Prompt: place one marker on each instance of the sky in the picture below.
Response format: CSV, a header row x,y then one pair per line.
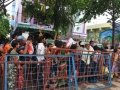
x,y
9,7
9,10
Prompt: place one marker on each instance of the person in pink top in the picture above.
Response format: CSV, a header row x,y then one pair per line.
x,y
30,46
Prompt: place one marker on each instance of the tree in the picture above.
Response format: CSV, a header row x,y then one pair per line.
x,y
3,5
98,7
4,26
4,22
57,12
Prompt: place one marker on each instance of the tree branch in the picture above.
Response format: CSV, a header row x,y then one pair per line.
x,y
3,4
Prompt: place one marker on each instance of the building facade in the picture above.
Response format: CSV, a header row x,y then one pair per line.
x,y
93,31
18,18
15,12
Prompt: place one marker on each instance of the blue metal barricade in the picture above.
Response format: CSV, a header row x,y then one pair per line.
x,y
73,71
93,72
48,74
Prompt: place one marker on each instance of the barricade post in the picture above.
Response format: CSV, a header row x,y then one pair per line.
x,y
69,83
5,74
110,71
75,74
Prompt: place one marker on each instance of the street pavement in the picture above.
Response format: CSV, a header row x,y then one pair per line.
x,y
95,86
115,85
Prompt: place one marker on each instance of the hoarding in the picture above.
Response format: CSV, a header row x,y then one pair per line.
x,y
80,30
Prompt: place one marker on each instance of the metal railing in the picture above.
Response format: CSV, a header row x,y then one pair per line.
x,y
64,71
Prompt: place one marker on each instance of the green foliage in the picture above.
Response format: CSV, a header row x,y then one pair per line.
x,y
117,37
98,7
4,26
60,12
4,4
4,22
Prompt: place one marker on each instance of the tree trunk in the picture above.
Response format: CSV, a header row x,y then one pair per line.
x,y
113,33
113,27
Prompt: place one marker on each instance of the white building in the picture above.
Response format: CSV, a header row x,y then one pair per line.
x,y
79,31
17,19
15,12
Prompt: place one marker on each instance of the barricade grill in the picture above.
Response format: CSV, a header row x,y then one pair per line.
x,y
63,69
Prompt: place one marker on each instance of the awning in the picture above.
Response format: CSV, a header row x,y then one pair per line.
x,y
27,26
48,32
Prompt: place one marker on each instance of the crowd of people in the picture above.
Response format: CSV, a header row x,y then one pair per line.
x,y
89,51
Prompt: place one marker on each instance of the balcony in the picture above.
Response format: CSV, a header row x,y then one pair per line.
x,y
27,20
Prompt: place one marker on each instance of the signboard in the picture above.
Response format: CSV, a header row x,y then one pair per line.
x,y
34,26
107,35
80,30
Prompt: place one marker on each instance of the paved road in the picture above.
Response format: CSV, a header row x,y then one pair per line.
x,y
115,85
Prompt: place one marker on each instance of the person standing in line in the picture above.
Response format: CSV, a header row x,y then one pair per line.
x,y
57,40
30,49
20,69
14,37
88,51
29,67
40,51
12,67
116,62
7,46
81,46
92,43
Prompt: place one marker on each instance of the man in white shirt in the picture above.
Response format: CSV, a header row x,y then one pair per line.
x,y
40,49
88,50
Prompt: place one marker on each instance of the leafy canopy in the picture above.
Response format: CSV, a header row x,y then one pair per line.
x,y
98,7
57,12
4,26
